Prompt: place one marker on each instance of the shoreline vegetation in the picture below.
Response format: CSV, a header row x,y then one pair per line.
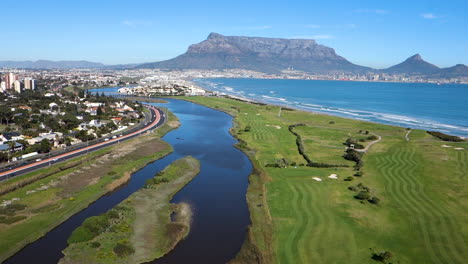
x,y
302,214
143,227
41,200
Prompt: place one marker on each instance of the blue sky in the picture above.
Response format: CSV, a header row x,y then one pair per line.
x,y
371,33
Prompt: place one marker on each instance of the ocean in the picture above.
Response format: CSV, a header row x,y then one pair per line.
x,y
425,106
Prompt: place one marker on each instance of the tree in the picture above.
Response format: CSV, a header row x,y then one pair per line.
x,y
99,111
45,146
81,93
11,145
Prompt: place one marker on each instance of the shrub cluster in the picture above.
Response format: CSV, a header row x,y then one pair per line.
x,y
325,165
382,256
445,137
92,227
281,163
363,193
299,144
353,155
11,219
11,209
352,141
123,249
155,181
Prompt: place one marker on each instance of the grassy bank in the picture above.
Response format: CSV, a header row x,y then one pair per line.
x,y
140,228
421,208
38,207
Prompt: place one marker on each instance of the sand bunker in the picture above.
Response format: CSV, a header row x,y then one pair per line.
x,y
316,178
446,146
333,176
277,127
459,148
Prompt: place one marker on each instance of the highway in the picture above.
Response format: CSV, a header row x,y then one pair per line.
x,y
154,120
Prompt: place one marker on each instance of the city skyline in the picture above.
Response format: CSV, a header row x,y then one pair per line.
x,y
118,32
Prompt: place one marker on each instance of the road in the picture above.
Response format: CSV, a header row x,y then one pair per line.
x,y
157,118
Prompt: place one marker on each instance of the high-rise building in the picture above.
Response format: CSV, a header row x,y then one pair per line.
x,y
17,86
2,86
30,84
10,79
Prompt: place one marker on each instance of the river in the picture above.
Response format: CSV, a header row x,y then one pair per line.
x,y
216,195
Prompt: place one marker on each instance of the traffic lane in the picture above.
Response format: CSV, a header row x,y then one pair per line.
x,y
79,152
21,169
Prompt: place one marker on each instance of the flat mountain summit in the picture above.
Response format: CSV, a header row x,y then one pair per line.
x,y
259,54
268,55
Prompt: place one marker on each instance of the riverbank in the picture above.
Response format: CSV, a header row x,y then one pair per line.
x,y
67,189
303,214
146,224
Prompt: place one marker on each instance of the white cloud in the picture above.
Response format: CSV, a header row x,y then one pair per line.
x,y
135,23
429,16
324,36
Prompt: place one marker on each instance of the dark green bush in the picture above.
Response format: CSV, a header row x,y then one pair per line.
x,y
374,200
445,137
112,214
123,249
359,174
80,234
349,178
11,209
352,155
95,244
11,219
155,181
362,195
96,224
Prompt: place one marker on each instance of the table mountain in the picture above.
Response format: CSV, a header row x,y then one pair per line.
x,y
270,55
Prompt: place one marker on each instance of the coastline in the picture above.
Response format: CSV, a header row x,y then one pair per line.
x,y
384,118
271,224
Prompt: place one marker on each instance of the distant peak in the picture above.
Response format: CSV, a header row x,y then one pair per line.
x,y
214,35
416,57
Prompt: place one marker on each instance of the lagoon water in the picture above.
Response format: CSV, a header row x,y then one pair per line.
x,y
216,194
416,105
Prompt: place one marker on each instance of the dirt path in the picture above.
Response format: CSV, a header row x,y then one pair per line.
x,y
407,135
370,144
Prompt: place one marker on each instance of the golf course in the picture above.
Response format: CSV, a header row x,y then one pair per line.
x,y
398,197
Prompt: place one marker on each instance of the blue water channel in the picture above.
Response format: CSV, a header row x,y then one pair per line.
x,y
216,195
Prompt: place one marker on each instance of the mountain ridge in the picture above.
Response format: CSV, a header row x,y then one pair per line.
x,y
270,55
262,54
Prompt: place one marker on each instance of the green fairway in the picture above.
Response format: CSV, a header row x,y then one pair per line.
x,y
421,185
